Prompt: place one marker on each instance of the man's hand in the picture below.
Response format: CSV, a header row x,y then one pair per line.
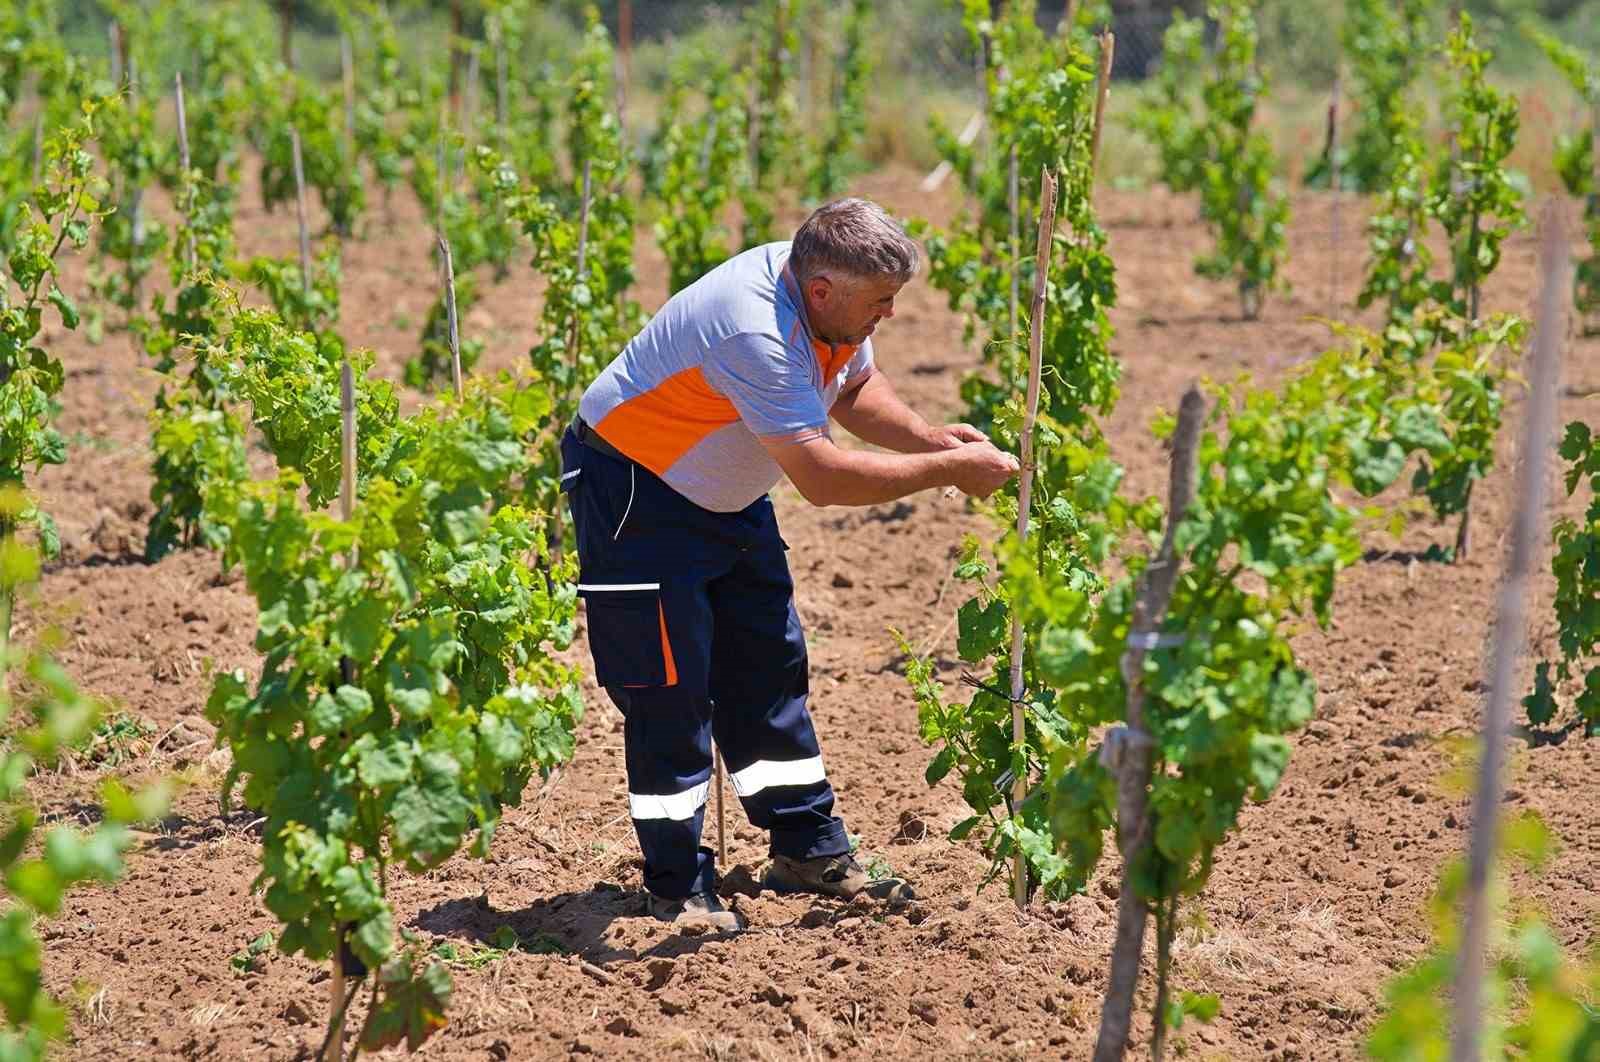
x,y
953,435
980,467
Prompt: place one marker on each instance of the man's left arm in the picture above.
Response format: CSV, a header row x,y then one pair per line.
x,y
874,413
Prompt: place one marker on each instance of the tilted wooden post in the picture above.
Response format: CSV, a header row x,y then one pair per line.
x,y
1128,749
1527,536
450,315
300,210
1041,277
286,30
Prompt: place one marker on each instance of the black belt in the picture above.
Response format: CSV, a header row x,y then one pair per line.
x,y
595,441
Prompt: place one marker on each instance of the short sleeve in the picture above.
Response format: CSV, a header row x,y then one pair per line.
x,y
774,392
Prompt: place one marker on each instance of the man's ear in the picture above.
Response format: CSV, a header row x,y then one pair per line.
x,y
818,288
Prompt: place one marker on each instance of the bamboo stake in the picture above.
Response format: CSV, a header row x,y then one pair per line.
x,y
38,143
1127,749
1102,93
443,163
450,315
347,76
300,209
1041,274
1527,535
183,160
136,217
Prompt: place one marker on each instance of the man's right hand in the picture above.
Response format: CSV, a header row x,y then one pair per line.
x,y
980,468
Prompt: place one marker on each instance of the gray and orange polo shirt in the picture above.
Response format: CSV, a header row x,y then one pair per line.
x,y
727,362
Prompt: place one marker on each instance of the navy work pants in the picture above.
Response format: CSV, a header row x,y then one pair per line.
x,y
694,633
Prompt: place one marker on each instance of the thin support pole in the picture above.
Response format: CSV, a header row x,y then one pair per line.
x,y
347,508
624,57
583,250
1128,749
450,315
1334,184
469,120
286,31
347,77
500,73
1102,93
300,209
1527,536
183,160
1015,238
1041,274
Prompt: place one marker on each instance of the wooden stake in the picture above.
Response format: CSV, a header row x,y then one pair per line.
x,y
1333,183
114,32
458,23
286,30
300,210
968,134
1102,93
583,250
443,176
624,56
450,315
183,160
469,119
1527,537
335,1051
38,143
500,95
1016,237
347,76
1041,275
1127,750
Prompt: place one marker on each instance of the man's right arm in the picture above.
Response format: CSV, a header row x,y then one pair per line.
x,y
826,475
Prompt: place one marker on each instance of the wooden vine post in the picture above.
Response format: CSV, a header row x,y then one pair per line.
x,y
624,57
183,160
458,29
1102,94
1128,749
300,210
1527,536
450,315
1041,276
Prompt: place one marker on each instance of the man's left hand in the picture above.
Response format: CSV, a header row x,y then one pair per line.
x,y
951,436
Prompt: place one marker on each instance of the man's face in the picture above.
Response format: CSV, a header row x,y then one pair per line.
x,y
846,309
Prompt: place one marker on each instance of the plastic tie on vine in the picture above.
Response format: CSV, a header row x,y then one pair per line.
x,y
1002,784
969,679
1148,640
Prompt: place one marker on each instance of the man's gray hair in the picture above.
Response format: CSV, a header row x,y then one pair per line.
x,y
855,237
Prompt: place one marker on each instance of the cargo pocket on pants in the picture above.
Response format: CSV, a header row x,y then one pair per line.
x,y
628,635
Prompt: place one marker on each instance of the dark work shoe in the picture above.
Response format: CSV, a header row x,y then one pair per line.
x,y
701,912
838,875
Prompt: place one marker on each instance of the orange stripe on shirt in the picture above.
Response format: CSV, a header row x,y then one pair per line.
x,y
831,359
661,425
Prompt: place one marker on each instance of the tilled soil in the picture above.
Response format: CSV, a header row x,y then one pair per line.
x,y
1317,900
